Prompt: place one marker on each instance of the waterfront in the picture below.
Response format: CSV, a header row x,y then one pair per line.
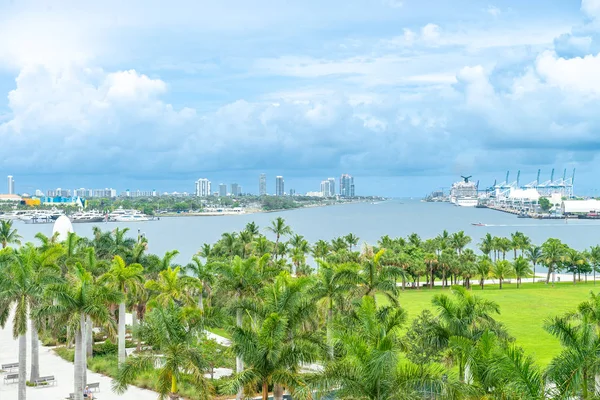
x,y
366,220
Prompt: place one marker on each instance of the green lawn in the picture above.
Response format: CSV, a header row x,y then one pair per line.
x,y
220,331
522,310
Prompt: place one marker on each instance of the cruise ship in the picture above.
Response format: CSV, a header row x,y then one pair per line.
x,y
464,193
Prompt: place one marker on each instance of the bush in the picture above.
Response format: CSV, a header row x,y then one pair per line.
x,y
66,354
106,348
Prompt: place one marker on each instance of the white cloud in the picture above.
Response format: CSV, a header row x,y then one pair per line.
x,y
591,8
579,74
430,33
493,10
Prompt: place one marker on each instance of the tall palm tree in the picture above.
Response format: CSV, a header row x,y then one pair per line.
x,y
352,240
279,228
484,267
459,241
239,280
553,252
71,303
502,269
595,259
8,235
321,249
521,269
534,255
431,260
253,229
329,287
28,272
124,279
204,273
173,333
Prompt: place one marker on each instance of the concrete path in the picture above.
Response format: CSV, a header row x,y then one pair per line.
x,y
51,364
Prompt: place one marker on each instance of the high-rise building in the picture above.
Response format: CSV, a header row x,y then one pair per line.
x,y
222,190
279,186
11,184
346,186
331,186
235,189
292,192
262,185
326,188
39,193
203,187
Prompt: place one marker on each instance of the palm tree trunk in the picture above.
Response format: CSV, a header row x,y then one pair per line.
x,y
549,272
329,329
277,392
173,394
79,359
533,272
500,283
35,353
200,298
89,350
22,366
265,390
121,349
239,364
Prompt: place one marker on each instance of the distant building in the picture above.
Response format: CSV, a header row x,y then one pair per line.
x,y
203,187
314,194
104,193
235,189
11,184
292,192
39,193
331,186
325,188
222,190
81,192
346,186
279,186
262,185
10,197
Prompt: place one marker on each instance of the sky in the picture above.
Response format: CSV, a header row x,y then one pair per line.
x,y
404,95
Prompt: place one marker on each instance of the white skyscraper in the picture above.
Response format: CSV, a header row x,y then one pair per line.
x,y
203,187
326,188
331,186
11,185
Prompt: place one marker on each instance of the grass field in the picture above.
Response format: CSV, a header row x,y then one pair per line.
x,y
523,310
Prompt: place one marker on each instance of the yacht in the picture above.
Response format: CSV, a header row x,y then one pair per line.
x,y
13,215
88,216
121,215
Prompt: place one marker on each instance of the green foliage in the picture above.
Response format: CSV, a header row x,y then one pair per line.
x,y
545,204
420,348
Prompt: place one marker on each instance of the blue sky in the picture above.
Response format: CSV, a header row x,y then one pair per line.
x,y
404,95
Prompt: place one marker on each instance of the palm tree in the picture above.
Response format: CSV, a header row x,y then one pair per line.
x,y
595,259
239,280
71,303
459,241
284,338
352,240
463,320
521,269
553,251
170,287
484,266
431,259
124,279
321,249
279,228
204,273
173,332
329,287
252,228
574,370
28,272
8,235
502,269
534,254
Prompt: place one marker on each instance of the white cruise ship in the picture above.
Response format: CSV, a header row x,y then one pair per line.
x,y
464,193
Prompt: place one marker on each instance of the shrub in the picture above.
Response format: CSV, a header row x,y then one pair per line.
x,y
105,348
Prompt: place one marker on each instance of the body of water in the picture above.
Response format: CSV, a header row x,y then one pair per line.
x,y
366,220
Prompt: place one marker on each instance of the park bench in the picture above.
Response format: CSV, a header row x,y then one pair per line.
x,y
44,381
72,396
11,377
10,366
94,386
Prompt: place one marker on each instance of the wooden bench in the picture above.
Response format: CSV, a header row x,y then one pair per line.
x,y
94,386
44,381
11,377
10,366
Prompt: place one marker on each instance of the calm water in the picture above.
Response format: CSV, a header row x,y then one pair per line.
x,y
368,221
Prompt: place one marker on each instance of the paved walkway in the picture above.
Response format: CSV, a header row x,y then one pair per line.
x,y
51,364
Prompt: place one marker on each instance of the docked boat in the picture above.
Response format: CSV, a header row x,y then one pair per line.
x,y
122,215
14,215
87,217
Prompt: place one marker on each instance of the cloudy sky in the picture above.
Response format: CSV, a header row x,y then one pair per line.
x,y
403,94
